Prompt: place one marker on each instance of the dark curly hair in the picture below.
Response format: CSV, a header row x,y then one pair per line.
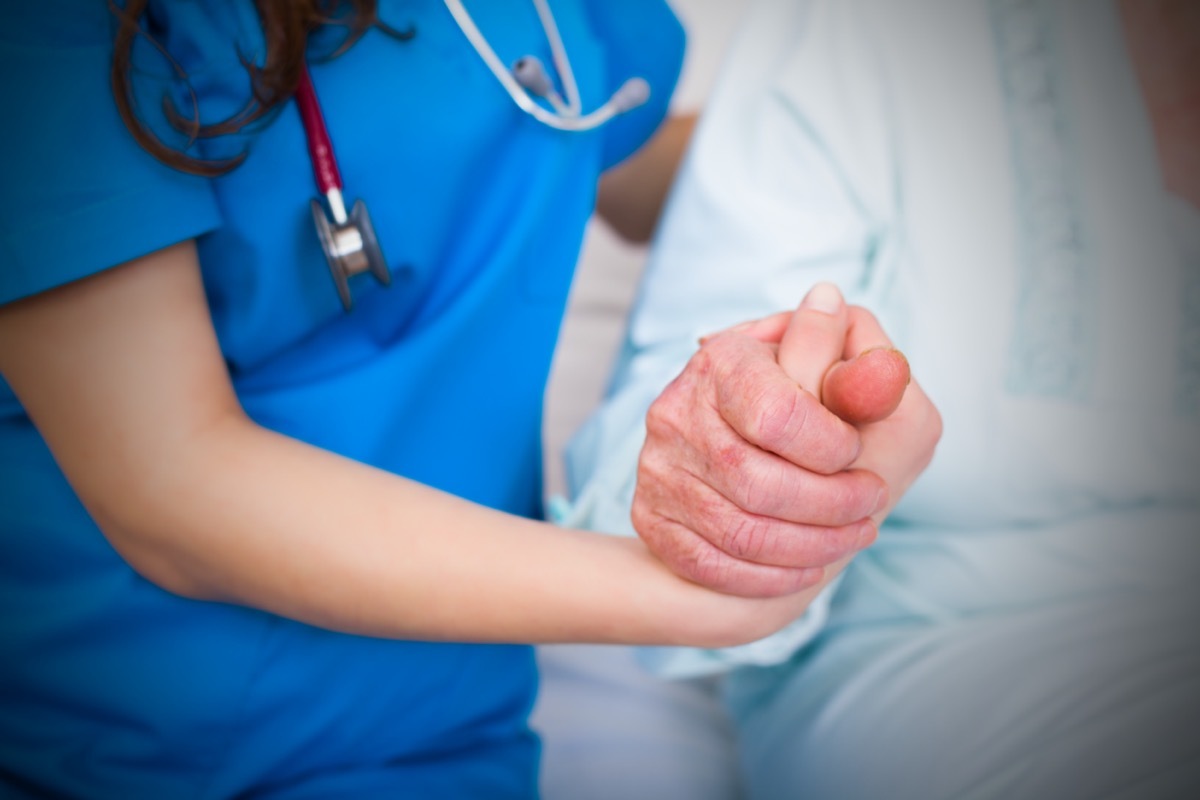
x,y
286,26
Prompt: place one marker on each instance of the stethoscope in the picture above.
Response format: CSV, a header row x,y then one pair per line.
x,y
348,238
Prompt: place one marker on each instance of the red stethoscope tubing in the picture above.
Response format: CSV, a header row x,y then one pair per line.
x,y
320,147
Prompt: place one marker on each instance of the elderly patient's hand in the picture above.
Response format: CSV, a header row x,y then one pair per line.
x,y
750,485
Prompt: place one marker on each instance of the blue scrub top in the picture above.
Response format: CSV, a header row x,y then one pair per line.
x,y
110,686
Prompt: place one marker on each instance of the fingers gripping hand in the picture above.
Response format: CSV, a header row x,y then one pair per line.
x,y
870,386
743,483
865,383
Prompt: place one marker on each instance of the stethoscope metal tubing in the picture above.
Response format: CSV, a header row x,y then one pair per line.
x,y
632,94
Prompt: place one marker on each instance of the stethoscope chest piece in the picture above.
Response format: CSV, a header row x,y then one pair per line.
x,y
350,248
349,239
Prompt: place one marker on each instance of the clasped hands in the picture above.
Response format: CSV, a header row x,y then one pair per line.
x,y
780,448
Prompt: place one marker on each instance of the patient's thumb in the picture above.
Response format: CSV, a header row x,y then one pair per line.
x,y
866,388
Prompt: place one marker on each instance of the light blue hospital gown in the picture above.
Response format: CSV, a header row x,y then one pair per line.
x,y
982,175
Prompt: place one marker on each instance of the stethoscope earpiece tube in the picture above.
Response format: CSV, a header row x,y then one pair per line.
x,y
632,94
531,73
320,147
528,77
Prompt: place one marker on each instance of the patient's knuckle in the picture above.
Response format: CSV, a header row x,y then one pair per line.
x,y
758,490
652,468
777,418
731,357
652,528
745,536
708,566
707,358
662,418
642,518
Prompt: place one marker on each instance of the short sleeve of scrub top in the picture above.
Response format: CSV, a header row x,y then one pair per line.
x,y
80,195
644,33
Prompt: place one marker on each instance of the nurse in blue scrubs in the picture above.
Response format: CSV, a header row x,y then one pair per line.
x,y
243,531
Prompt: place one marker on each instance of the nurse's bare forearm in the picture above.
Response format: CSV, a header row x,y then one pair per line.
x,y
123,377
266,521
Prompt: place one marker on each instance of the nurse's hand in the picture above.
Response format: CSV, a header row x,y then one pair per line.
x,y
897,445
747,483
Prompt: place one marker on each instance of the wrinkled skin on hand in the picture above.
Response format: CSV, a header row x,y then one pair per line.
x,y
780,448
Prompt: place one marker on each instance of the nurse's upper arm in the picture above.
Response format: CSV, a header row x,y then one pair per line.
x,y
120,372
632,194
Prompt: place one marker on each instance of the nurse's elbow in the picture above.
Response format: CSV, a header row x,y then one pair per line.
x,y
155,518
152,558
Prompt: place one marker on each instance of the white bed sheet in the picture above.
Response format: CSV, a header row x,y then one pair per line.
x,y
610,729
